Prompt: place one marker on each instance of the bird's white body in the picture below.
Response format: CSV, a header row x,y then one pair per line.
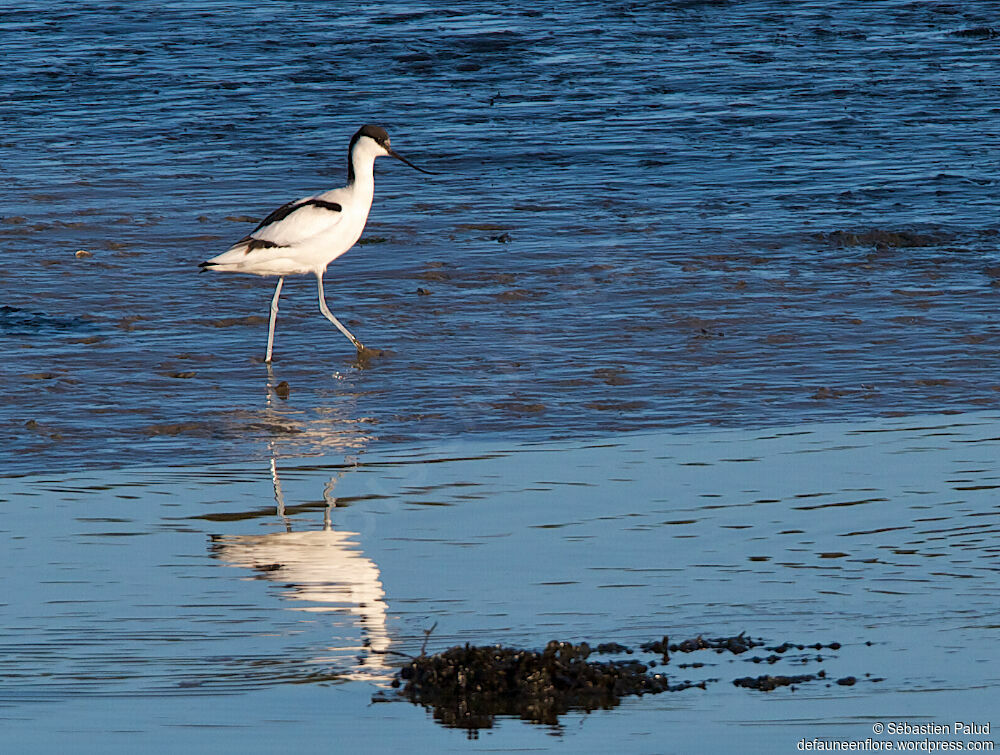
x,y
312,236
307,234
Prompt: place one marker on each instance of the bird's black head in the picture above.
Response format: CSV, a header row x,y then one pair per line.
x,y
376,133
381,137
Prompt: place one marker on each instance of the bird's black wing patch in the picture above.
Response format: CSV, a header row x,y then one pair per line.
x,y
253,243
331,206
280,214
288,208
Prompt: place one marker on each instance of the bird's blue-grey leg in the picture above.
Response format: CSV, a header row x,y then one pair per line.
x,y
279,497
274,317
329,316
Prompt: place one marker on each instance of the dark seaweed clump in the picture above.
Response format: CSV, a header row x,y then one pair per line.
x,y
469,686
736,645
767,682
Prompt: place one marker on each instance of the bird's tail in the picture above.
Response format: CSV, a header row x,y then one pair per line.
x,y
233,257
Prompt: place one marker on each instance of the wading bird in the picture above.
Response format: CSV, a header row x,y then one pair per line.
x,y
306,235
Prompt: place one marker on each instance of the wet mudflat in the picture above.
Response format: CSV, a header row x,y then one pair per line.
x,y
246,607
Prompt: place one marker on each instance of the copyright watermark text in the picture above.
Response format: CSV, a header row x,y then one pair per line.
x,y
906,736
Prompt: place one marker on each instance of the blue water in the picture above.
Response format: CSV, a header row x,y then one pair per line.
x,y
211,604
670,214
775,218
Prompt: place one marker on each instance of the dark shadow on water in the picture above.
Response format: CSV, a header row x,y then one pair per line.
x,y
15,321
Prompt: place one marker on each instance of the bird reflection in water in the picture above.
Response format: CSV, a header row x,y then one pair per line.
x,y
322,571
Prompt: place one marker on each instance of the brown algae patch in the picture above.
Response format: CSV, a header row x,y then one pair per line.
x,y
880,238
230,322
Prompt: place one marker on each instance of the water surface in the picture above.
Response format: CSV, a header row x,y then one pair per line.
x,y
667,214
774,218
245,605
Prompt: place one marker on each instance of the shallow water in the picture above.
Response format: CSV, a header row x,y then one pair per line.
x,y
648,215
774,217
140,602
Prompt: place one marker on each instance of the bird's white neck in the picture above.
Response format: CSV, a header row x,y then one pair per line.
x,y
361,166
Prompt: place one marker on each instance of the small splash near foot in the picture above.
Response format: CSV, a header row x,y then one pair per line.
x,y
366,356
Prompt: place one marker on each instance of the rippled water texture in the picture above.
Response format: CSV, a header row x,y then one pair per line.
x,y
649,215
775,217
137,602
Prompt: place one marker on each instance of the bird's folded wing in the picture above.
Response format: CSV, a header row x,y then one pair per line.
x,y
298,221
